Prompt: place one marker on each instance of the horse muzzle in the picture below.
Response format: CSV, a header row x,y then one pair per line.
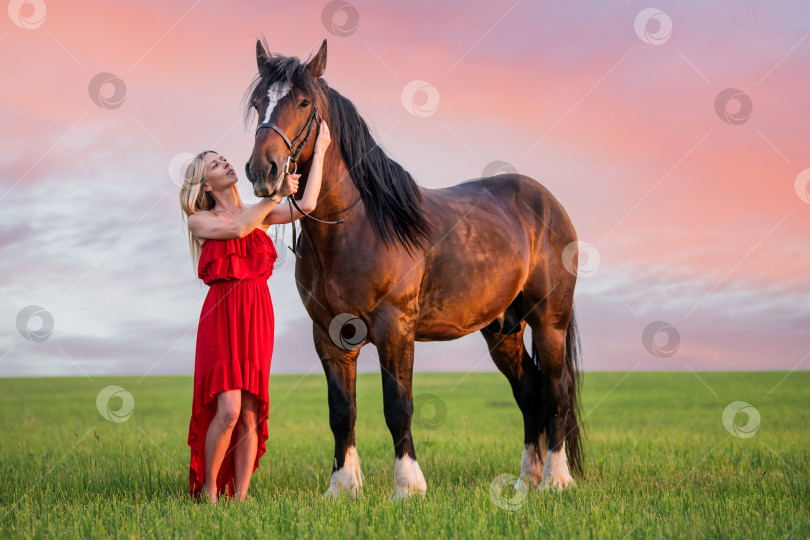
x,y
266,181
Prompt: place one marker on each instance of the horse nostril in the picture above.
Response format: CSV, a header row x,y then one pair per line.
x,y
273,170
247,172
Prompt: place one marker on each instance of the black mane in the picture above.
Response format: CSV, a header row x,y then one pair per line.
x,y
390,195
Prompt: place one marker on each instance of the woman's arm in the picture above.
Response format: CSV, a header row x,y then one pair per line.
x,y
281,213
205,226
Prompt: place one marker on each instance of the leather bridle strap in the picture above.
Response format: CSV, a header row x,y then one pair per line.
x,y
313,120
291,198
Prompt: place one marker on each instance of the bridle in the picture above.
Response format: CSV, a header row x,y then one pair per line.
x,y
303,136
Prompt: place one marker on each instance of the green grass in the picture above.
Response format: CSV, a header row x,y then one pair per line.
x,y
659,462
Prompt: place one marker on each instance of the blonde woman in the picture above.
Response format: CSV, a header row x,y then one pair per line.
x,y
235,257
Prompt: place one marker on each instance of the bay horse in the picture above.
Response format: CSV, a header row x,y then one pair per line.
x,y
408,264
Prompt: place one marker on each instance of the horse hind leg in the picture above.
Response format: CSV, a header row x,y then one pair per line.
x,y
505,339
555,353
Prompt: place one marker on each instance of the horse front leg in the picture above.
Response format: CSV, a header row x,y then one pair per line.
x,y
395,348
340,367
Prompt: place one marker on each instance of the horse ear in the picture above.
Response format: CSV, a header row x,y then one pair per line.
x,y
262,56
317,65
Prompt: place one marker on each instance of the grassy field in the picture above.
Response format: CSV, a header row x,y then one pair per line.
x,y
660,462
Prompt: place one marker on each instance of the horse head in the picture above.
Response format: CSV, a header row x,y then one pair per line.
x,y
288,99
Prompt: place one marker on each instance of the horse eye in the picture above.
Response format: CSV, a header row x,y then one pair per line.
x,y
304,103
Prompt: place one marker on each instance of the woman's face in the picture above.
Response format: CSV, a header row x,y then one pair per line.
x,y
218,172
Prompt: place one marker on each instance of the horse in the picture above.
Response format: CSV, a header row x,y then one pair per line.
x,y
385,261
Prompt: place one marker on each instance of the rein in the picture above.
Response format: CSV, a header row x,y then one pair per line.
x,y
306,131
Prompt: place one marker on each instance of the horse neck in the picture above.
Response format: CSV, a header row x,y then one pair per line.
x,y
338,193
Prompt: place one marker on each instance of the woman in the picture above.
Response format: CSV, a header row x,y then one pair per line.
x,y
228,427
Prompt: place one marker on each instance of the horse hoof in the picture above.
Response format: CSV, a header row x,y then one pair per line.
x,y
557,484
402,493
530,481
348,479
531,466
556,474
336,491
408,479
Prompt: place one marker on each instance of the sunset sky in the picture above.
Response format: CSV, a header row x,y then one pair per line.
x,y
697,207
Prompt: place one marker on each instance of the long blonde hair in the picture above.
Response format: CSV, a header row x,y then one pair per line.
x,y
194,199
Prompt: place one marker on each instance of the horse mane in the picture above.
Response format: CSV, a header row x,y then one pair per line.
x,y
391,196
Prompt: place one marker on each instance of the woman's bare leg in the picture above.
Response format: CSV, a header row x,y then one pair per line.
x,y
247,445
219,436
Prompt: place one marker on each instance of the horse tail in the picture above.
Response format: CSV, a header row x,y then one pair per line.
x,y
574,433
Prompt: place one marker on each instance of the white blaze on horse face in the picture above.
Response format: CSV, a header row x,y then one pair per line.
x,y
348,479
275,94
408,478
556,474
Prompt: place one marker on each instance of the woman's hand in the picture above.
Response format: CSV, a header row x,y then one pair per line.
x,y
290,185
323,140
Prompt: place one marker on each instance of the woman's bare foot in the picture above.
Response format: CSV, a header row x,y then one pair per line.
x,y
208,497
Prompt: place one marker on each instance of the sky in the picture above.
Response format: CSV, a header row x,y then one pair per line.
x,y
673,133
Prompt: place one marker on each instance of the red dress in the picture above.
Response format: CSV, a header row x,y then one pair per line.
x,y
234,343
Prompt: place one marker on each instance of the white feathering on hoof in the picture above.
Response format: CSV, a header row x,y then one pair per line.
x,y
556,474
408,478
348,479
531,466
